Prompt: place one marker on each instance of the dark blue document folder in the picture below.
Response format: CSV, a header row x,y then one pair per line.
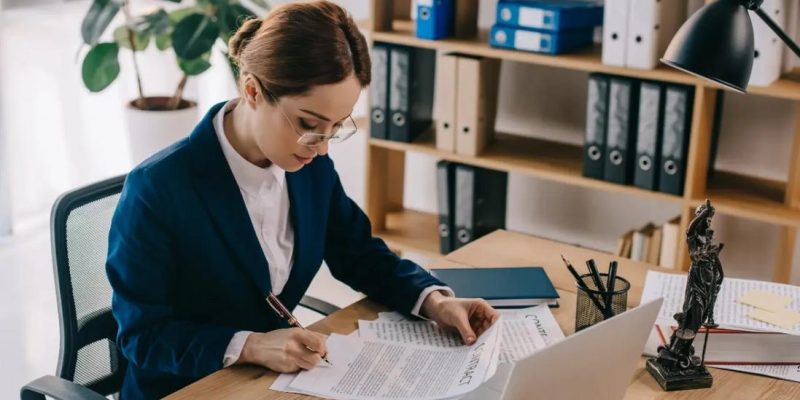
x,y
501,287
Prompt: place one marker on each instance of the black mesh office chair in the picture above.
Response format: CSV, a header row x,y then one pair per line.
x,y
89,364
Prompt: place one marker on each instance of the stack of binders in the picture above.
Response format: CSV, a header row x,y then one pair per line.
x,y
471,201
546,26
637,132
465,103
637,32
401,92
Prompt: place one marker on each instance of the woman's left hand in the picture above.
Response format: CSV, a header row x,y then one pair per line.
x,y
470,317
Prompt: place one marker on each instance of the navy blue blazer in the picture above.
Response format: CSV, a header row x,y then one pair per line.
x,y
188,272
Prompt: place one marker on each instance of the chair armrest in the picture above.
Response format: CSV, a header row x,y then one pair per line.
x,y
56,388
317,305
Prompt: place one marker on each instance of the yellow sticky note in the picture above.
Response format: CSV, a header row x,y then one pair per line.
x,y
765,300
786,319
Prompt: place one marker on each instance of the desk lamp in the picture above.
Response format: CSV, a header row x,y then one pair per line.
x,y
716,43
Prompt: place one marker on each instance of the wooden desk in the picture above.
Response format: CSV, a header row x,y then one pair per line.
x,y
504,248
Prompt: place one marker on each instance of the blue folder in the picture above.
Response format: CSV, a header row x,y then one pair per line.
x,y
435,19
539,41
501,287
552,15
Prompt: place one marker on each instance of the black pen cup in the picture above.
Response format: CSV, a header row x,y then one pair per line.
x,y
586,311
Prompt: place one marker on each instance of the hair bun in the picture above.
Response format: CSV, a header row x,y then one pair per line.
x,y
243,35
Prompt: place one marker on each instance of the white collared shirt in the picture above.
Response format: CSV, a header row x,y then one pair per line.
x,y
267,200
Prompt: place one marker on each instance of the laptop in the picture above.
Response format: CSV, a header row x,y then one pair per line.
x,y
596,363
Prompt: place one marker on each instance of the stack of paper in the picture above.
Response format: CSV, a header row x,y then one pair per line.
x,y
394,357
744,334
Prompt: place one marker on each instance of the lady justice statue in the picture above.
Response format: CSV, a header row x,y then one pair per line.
x,y
676,367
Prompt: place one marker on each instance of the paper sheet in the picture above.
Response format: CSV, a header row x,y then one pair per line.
x,y
727,312
765,300
522,332
787,372
372,369
785,319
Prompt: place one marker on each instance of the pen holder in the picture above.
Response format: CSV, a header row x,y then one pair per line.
x,y
587,313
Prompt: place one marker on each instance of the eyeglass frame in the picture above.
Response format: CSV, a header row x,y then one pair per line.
x,y
326,138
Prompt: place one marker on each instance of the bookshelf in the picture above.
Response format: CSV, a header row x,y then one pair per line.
x,y
772,202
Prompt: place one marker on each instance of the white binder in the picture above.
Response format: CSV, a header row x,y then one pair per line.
x,y
615,31
768,57
651,26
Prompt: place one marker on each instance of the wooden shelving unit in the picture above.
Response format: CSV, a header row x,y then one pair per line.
x,y
767,201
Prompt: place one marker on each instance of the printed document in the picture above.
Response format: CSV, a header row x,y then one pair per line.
x,y
522,332
375,369
728,313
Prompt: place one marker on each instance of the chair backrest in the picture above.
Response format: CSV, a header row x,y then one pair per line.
x,y
80,223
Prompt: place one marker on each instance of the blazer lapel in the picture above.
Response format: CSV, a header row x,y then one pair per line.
x,y
299,186
220,193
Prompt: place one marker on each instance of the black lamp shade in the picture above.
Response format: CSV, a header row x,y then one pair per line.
x,y
716,43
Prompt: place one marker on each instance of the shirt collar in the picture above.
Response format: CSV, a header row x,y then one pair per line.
x,y
249,176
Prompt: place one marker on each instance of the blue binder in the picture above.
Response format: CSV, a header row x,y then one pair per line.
x,y
552,15
435,19
539,41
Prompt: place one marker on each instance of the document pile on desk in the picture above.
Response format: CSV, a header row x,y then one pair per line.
x,y
742,342
393,357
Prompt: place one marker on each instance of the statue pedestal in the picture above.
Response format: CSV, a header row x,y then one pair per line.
x,y
679,379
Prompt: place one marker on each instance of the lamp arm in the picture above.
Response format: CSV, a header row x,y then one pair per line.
x,y
778,31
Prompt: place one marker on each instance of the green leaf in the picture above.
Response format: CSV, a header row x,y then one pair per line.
x,y
154,23
176,16
140,39
194,35
230,18
196,66
100,67
97,19
164,41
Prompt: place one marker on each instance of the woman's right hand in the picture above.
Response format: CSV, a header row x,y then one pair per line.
x,y
284,350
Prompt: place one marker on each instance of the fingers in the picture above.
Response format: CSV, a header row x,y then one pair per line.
x,y
313,340
303,357
465,330
482,316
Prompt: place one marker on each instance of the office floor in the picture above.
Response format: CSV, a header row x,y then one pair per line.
x,y
29,328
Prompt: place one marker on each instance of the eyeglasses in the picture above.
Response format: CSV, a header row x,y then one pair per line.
x,y
341,131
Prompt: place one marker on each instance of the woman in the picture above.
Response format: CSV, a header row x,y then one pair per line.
x,y
250,204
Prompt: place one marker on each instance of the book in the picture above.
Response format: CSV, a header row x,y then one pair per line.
x,y
731,346
670,235
501,287
654,252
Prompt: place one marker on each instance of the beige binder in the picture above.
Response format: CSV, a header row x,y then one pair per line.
x,y
445,102
476,107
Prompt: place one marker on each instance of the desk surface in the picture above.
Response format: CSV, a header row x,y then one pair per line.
x,y
504,248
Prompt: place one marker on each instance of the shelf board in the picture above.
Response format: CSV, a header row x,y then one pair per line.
x,y
749,197
588,60
544,159
414,231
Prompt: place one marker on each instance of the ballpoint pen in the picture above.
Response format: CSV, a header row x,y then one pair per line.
x,y
284,313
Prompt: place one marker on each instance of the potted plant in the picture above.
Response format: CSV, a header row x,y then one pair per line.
x,y
190,32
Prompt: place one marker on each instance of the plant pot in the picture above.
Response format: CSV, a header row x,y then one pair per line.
x,y
154,129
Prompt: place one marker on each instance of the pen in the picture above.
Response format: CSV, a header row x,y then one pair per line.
x,y
284,313
612,277
583,286
595,275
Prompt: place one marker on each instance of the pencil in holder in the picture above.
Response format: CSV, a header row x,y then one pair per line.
x,y
586,311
